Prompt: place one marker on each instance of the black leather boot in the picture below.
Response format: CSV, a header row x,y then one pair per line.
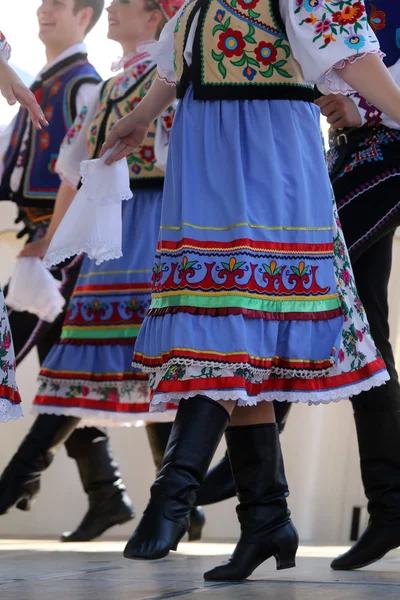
x,y
158,435
196,433
219,484
20,482
266,527
379,443
109,503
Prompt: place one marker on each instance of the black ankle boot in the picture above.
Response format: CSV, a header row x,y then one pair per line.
x,y
379,443
158,436
109,503
196,433
257,465
20,482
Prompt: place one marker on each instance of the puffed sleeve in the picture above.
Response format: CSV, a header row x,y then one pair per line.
x,y
162,52
5,49
74,148
324,34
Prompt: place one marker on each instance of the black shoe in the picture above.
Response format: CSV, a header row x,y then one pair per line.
x,y
109,503
158,436
378,436
266,529
376,541
20,482
196,433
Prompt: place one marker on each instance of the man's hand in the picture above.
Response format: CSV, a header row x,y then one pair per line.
x,y
340,111
36,249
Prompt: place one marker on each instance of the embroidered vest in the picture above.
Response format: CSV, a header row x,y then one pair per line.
x,y
240,51
119,97
384,18
56,93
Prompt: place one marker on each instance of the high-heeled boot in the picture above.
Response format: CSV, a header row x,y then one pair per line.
x,y
379,445
158,436
20,482
266,527
109,504
219,484
196,433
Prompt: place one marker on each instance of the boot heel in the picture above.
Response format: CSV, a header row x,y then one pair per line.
x,y
197,522
176,542
286,559
25,504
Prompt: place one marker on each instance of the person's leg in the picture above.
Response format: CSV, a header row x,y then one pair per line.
x,y
109,503
197,430
20,482
377,417
257,465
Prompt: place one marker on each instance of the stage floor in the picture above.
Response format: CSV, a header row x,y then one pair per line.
x,y
47,570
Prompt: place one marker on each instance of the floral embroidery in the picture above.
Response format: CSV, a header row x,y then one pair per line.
x,y
76,127
333,18
7,361
252,56
377,19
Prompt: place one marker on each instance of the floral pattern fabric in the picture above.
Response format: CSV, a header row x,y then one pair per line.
x,y
10,400
5,49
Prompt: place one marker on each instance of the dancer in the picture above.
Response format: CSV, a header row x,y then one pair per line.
x,y
88,373
252,286
364,170
13,90
62,88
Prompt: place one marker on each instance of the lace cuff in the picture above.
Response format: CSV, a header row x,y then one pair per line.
x,y
33,289
93,222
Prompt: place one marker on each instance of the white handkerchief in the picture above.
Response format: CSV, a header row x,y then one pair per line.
x,y
93,222
34,289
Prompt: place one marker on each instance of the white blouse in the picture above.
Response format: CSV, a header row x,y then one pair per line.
x,y
74,149
5,49
318,41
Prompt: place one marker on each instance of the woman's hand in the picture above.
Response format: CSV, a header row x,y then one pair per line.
x,y
35,249
14,90
126,136
340,111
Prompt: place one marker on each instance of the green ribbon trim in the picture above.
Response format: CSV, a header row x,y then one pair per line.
x,y
100,334
272,306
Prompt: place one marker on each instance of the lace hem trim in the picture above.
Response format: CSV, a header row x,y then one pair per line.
x,y
9,411
48,313
335,83
54,258
66,383
321,397
284,372
98,418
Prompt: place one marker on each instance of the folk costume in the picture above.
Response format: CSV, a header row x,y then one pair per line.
x,y
10,400
253,294
29,179
88,373
364,165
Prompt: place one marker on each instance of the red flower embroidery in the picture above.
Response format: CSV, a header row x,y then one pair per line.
x,y
113,396
323,26
341,356
248,4
7,342
266,53
350,14
147,153
231,43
